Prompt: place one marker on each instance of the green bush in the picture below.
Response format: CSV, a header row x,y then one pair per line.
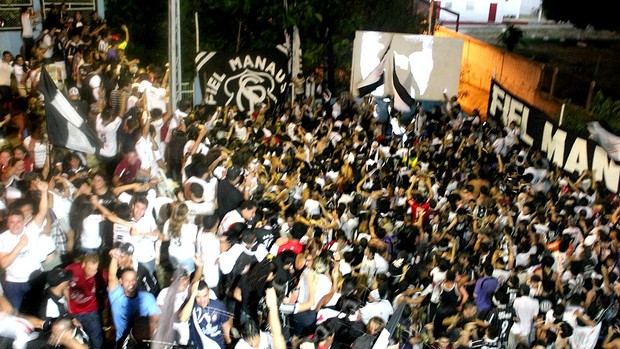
x,y
604,110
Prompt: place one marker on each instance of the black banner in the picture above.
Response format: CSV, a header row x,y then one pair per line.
x,y
244,80
565,149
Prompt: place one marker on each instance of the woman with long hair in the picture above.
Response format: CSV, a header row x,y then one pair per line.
x,y
182,236
20,70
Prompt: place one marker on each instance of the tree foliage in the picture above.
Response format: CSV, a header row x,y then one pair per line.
x,y
598,15
327,27
510,37
147,22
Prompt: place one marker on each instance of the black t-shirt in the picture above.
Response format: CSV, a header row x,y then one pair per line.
x,y
266,236
228,197
502,318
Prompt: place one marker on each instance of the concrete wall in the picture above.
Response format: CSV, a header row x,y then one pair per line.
x,y
530,7
481,62
479,10
11,40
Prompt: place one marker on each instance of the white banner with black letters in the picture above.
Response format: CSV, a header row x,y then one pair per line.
x,y
564,148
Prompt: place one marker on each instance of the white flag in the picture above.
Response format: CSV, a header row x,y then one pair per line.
x,y
609,141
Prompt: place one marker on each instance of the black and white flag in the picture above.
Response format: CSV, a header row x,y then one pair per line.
x,y
65,127
245,79
405,67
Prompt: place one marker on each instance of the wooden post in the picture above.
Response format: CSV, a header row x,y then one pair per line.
x,y
590,95
553,81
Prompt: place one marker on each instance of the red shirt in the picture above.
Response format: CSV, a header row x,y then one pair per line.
x,y
417,209
292,245
127,172
82,291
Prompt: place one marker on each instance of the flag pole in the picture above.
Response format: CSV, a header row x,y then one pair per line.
x,y
197,32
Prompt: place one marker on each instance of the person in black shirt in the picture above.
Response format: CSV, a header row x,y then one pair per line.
x,y
54,304
268,232
501,318
228,195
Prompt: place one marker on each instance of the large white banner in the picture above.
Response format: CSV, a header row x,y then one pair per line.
x,y
406,67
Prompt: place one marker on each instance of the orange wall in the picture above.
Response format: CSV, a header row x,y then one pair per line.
x,y
481,61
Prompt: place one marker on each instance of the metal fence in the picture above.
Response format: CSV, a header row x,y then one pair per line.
x,y
10,13
187,91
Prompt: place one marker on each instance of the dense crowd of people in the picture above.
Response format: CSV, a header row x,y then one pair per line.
x,y
308,224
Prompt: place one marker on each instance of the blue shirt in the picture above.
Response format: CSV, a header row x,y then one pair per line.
x,y
206,324
125,310
485,287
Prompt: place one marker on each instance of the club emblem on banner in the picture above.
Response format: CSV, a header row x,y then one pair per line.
x,y
244,80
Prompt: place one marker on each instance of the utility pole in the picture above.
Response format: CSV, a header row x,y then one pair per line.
x,y
174,51
431,16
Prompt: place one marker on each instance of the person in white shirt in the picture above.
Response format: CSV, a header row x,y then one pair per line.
x,y
144,234
243,214
89,215
107,126
6,71
527,309
147,146
28,17
312,207
19,250
209,249
314,284
377,305
182,236
169,303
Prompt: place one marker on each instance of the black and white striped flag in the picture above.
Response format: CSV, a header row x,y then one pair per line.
x,y
65,127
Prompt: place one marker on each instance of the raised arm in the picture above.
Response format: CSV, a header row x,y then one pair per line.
x,y
113,268
40,217
186,311
274,319
126,31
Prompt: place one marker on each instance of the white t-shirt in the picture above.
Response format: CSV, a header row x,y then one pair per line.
x,y
179,298
229,219
266,342
438,277
144,246
5,73
28,259
91,237
131,101
184,246
48,43
40,152
323,287
209,188
312,207
107,135
27,31
95,84
198,209
382,309
209,249
120,232
526,309
156,98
